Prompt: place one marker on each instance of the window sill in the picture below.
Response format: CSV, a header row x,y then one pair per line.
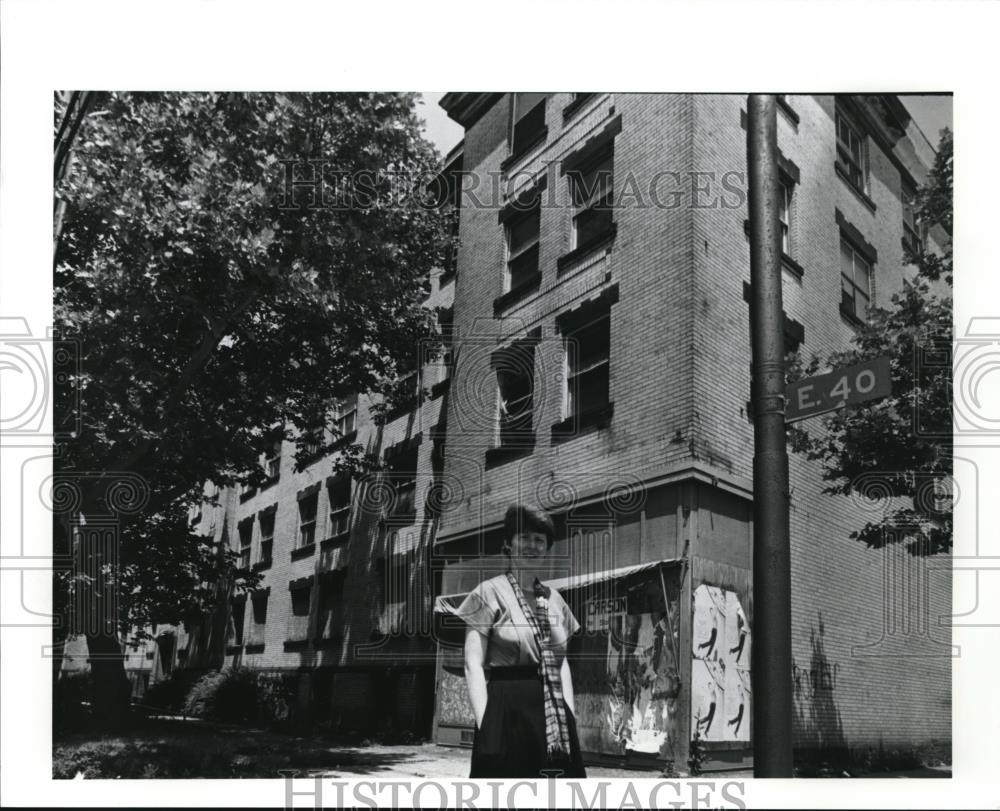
x,y
578,425
788,110
263,565
303,552
791,265
859,193
255,648
603,240
510,160
401,520
502,454
340,442
528,286
246,495
335,540
268,483
571,109
296,644
851,318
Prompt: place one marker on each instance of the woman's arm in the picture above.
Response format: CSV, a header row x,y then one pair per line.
x,y
475,678
567,686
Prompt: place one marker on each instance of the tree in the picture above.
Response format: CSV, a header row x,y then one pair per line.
x,y
899,449
227,266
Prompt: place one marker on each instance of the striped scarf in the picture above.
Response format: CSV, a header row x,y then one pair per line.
x,y
556,731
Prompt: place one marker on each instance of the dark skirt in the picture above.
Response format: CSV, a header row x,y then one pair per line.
x,y
511,740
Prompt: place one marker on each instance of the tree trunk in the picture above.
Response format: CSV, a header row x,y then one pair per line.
x,y
110,689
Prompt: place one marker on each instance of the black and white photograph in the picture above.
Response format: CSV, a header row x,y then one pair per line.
x,y
524,446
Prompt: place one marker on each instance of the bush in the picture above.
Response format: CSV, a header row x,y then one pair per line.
x,y
240,696
171,693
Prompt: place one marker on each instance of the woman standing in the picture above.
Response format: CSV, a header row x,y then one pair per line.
x,y
516,670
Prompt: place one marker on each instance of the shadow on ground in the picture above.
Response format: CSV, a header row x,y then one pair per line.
x,y
160,748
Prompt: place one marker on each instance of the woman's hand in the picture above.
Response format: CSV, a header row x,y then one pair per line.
x,y
475,678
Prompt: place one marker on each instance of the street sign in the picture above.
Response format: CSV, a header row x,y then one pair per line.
x,y
822,393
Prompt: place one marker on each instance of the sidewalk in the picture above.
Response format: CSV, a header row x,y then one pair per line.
x,y
428,761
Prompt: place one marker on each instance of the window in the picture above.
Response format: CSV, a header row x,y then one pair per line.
x,y
446,327
395,575
330,619
340,506
855,273
522,248
246,540
576,104
266,538
234,631
258,617
515,367
344,417
451,254
272,462
528,126
403,475
313,444
592,190
307,520
911,229
852,158
587,366
785,216
298,619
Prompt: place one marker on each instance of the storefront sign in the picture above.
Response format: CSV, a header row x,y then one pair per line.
x,y
599,612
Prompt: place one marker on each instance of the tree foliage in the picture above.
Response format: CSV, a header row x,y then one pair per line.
x,y
897,451
211,310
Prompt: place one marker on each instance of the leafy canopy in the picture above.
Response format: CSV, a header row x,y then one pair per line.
x,y
210,310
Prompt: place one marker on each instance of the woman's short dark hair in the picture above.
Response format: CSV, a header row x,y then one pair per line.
x,y
521,518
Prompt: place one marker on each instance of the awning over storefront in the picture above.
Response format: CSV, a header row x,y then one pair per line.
x,y
447,603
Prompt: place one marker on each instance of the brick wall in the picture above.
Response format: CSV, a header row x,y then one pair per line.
x,y
871,664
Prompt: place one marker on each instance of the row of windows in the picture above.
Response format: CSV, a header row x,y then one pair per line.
x,y
591,186
329,618
585,392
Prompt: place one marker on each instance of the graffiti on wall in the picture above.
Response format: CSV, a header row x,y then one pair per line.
x,y
720,669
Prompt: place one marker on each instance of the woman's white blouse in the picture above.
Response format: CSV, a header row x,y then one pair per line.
x,y
492,609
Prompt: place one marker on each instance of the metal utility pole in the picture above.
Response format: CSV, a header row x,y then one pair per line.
x,y
772,640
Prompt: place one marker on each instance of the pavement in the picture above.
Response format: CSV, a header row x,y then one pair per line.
x,y
429,761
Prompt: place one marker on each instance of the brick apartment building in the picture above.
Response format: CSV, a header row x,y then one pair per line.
x,y
603,371
599,366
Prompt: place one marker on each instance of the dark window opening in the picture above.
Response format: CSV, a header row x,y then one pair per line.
x,y
266,537
592,188
258,619
307,520
522,248
516,384
851,152
588,364
855,276
298,619
340,506
529,121
246,541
